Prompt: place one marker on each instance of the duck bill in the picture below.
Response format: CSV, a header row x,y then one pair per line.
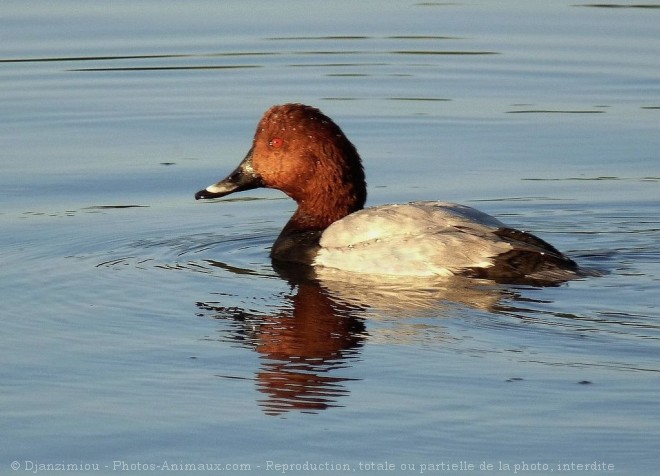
x,y
242,178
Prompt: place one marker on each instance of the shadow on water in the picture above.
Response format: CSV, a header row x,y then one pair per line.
x,y
319,329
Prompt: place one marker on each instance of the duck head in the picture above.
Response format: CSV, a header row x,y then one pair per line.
x,y
299,150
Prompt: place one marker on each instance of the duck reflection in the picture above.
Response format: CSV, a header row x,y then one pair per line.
x,y
320,328
301,346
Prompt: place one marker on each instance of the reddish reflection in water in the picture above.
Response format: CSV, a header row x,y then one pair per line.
x,y
301,347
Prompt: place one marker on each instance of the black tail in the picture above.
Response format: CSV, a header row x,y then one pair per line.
x,y
531,261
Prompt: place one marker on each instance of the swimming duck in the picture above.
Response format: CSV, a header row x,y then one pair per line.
x,y
302,152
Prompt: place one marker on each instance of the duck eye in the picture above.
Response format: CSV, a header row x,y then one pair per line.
x,y
276,142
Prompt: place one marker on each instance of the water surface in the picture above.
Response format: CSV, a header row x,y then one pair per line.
x,y
142,327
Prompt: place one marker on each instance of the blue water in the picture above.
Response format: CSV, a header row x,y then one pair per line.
x,y
143,330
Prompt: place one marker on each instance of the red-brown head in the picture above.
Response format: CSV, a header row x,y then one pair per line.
x,y
302,152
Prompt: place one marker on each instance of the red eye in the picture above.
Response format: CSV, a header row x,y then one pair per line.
x,y
276,142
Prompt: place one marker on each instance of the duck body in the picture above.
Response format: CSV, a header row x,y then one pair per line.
x,y
302,152
414,239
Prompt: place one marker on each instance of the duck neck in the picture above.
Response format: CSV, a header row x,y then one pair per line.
x,y
320,211
299,240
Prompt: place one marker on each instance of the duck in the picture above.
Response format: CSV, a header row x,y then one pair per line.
x,y
300,151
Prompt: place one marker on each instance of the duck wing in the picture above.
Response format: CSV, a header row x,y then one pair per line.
x,y
530,261
439,239
416,239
